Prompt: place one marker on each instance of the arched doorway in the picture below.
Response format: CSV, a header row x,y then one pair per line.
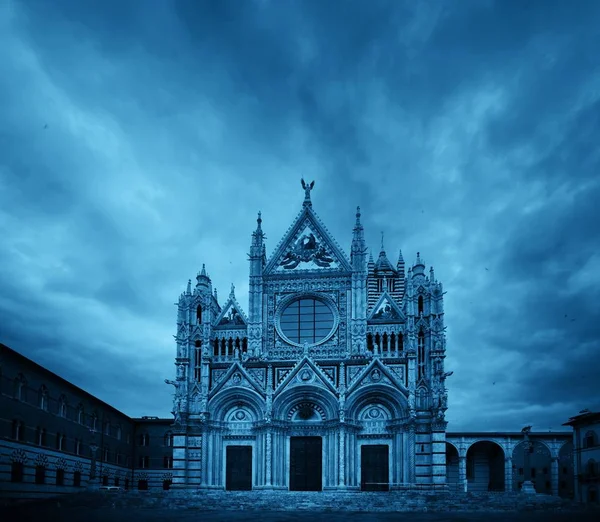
x,y
565,471
485,467
452,468
536,466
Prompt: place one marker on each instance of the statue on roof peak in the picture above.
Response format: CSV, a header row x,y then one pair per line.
x,y
307,188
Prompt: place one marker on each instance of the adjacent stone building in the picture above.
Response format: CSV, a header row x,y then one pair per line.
x,y
56,438
586,438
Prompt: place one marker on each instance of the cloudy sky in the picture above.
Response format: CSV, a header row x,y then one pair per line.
x,y
138,140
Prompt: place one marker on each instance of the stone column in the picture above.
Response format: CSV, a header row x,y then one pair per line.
x,y
462,472
554,476
508,474
342,452
268,451
411,454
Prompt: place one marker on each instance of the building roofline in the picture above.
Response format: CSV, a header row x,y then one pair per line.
x,y
507,433
43,369
583,418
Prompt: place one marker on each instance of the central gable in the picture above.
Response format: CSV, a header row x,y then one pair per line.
x,y
307,245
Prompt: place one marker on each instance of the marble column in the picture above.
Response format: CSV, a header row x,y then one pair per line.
x,y
508,474
411,454
268,452
342,453
462,472
554,476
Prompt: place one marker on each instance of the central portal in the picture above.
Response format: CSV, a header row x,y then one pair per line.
x,y
306,463
238,473
374,463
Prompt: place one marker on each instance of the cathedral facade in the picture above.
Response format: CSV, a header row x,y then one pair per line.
x,y
333,379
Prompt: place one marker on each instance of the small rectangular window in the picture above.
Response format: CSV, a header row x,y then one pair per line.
x,y
60,477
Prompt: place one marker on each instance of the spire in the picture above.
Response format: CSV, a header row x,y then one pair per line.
x,y
232,293
400,258
188,290
431,275
382,247
359,247
216,297
358,232
419,266
307,188
202,278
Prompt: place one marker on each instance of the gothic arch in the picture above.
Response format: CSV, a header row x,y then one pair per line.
x,y
228,398
377,394
323,401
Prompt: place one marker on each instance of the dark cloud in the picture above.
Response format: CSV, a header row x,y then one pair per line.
x,y
138,142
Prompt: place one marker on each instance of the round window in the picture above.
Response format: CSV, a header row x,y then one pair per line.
x,y
307,320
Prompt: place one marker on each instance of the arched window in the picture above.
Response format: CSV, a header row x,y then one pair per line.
x,y
16,472
420,305
370,342
40,474
168,439
18,430
118,432
216,348
80,414
591,468
199,314
421,354
43,398
60,441
94,422
590,440
107,428
244,345
20,388
400,342
40,437
144,439
62,406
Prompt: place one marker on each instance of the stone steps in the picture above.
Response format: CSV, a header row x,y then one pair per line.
x,y
394,501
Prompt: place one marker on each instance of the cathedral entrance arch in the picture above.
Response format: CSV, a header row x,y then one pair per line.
x,y
375,467
306,463
238,468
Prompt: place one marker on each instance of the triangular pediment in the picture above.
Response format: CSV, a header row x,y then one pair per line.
x,y
232,315
236,376
377,373
307,245
306,372
386,310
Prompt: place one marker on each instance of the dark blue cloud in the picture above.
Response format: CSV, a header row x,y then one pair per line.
x,y
139,141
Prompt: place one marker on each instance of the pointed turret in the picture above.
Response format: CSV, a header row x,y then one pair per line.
x,y
202,279
258,260
358,260
419,266
431,275
216,296
359,248
383,264
188,290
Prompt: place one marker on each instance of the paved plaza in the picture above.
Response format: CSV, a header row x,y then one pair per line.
x,y
56,514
